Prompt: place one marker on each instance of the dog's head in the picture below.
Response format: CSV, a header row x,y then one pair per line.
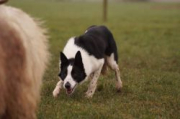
x,y
71,71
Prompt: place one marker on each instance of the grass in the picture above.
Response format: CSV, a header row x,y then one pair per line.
x,y
148,40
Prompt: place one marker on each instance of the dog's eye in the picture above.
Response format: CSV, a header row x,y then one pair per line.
x,y
63,75
74,74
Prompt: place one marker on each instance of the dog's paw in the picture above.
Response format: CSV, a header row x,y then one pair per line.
x,y
89,94
55,92
119,88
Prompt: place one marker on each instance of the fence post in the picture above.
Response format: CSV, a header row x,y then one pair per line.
x,y
105,10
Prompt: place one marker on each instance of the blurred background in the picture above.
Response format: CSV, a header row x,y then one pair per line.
x,y
147,33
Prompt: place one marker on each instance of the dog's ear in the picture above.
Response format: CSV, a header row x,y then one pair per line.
x,y
78,60
63,58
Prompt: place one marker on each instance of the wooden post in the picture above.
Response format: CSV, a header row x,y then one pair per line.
x,y
104,10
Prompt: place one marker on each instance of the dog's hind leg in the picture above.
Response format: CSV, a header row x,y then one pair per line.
x,y
57,88
114,66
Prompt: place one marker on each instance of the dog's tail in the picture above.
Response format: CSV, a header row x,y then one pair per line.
x,y
3,1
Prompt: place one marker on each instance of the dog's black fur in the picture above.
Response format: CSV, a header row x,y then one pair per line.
x,y
98,41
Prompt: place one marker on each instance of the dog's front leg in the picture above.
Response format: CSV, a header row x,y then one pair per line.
x,y
57,88
93,84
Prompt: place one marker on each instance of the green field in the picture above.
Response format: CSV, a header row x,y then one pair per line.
x,y
148,40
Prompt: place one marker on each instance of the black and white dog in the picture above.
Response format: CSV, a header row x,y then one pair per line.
x,y
84,57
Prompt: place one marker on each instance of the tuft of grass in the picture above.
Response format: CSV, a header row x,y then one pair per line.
x,y
148,40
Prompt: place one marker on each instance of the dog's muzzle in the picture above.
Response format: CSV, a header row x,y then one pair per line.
x,y
69,90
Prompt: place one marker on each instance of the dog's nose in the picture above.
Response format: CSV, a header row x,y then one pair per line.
x,y
67,85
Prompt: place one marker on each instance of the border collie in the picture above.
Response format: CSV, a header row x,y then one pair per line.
x,y
85,57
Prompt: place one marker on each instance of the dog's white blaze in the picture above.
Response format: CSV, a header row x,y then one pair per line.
x,y
69,78
90,63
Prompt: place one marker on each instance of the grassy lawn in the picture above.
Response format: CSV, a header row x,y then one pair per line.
x,y
148,40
